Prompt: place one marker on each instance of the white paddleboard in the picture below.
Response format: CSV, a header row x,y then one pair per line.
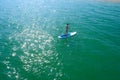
x,y
67,35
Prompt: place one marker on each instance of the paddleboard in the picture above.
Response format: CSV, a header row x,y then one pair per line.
x,y
67,35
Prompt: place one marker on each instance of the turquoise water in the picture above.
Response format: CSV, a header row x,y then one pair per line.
x,y
30,49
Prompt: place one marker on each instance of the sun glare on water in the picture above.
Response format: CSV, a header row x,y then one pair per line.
x,y
36,54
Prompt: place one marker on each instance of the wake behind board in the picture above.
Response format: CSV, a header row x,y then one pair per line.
x,y
67,35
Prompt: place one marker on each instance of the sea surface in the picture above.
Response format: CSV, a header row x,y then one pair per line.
x,y
30,48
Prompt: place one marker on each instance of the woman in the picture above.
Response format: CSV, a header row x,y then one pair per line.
x,y
67,29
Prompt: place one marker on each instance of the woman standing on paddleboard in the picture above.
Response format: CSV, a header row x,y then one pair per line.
x,y
67,29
